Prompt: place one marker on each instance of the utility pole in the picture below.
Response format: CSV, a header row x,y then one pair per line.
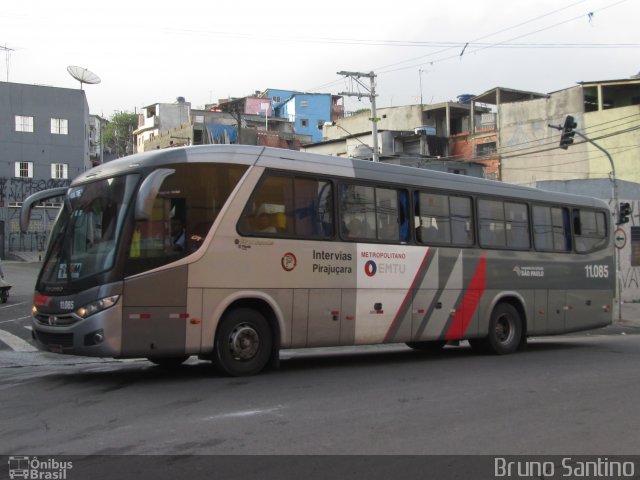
x,y
566,139
7,52
372,97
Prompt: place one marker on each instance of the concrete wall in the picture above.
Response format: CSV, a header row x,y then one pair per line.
x,y
172,115
254,106
40,147
314,109
529,148
623,148
392,118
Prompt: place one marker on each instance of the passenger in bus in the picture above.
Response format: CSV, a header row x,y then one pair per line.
x,y
264,223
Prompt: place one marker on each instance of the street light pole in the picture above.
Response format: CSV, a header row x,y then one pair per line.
x,y
567,139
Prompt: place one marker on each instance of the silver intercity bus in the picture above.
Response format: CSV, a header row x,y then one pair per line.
x,y
232,253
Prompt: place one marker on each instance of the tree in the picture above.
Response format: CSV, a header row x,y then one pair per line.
x,y
118,134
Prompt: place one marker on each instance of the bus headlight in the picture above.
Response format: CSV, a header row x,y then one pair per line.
x,y
97,306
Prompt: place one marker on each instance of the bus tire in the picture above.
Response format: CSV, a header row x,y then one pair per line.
x,y
243,343
168,362
505,330
432,346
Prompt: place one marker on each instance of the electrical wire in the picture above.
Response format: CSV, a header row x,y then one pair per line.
x,y
383,70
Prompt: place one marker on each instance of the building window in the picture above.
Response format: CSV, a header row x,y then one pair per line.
x,y
304,123
59,171
24,169
59,126
24,124
276,99
485,149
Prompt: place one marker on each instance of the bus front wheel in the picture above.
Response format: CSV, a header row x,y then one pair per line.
x,y
243,343
505,330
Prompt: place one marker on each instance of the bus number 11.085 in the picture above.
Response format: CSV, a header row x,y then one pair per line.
x,y
597,271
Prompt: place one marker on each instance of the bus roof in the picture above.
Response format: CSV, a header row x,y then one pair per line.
x,y
313,163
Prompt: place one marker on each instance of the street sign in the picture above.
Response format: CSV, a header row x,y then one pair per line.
x,y
619,238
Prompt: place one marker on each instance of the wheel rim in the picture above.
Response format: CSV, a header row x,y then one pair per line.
x,y
504,329
244,342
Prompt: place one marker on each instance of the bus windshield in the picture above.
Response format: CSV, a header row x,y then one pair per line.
x,y
83,241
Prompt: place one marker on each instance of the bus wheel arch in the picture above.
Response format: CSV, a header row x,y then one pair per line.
x,y
247,338
507,329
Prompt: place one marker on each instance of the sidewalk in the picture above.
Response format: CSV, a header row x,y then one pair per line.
x,y
25,256
630,315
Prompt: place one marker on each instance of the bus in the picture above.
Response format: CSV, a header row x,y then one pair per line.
x,y
232,253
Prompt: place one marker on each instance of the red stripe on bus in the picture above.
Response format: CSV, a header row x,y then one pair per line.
x,y
469,305
407,298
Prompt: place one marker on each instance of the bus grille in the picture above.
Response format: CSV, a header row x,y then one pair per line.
x,y
62,339
56,320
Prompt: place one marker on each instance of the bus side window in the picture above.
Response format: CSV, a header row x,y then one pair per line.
x,y
433,210
388,219
551,229
314,208
589,229
358,214
492,223
403,216
269,211
517,225
461,221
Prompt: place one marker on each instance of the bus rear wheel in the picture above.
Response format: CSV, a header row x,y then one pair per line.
x,y
243,343
505,330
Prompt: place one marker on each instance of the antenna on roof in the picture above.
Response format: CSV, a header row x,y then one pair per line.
x,y
83,75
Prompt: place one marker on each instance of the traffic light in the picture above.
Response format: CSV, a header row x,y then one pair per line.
x,y
567,132
624,212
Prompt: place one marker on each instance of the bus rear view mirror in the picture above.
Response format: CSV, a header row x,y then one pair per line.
x,y
149,191
32,200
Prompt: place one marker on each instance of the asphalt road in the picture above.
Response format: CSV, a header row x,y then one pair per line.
x,y
570,395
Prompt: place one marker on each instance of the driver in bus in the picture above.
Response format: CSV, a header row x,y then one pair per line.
x,y
178,234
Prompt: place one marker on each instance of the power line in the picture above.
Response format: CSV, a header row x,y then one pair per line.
x,y
457,45
493,45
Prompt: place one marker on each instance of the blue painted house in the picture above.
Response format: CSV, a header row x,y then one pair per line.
x,y
307,111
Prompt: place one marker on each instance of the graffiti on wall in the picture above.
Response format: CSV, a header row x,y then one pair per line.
x,y
14,191
17,189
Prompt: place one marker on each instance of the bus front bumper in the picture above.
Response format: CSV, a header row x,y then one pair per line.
x,y
99,335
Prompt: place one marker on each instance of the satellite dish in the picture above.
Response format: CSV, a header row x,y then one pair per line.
x,y
83,75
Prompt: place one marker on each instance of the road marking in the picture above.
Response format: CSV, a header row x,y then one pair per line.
x,y
15,319
13,305
16,343
28,327
245,413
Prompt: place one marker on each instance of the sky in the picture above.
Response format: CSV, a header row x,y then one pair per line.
x,y
205,50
